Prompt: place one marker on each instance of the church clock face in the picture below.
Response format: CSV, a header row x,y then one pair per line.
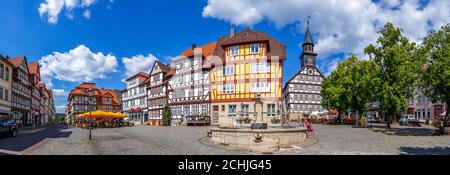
x,y
310,72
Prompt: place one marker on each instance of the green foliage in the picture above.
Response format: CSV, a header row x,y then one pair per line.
x,y
60,117
351,86
435,77
166,116
397,62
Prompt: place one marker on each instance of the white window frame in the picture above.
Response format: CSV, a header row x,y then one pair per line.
x,y
228,88
254,48
228,70
260,87
256,68
234,50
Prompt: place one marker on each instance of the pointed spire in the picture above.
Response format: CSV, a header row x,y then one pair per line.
x,y
308,37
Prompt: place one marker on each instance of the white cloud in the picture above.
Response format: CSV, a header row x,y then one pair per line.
x,y
60,93
344,26
138,63
52,8
87,14
61,109
77,65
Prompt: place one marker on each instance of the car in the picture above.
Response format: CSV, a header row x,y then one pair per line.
x,y
8,127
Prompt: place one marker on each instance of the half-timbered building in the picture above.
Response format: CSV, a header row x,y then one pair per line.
x,y
302,92
134,98
21,92
189,86
157,85
252,66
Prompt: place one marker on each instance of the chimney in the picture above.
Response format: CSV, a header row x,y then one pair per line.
x,y
194,46
232,32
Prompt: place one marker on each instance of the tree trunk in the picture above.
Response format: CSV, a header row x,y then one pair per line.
x,y
388,118
444,125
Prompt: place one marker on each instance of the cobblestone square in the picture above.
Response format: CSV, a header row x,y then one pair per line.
x,y
144,140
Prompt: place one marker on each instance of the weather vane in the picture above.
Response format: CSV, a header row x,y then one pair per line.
x,y
309,17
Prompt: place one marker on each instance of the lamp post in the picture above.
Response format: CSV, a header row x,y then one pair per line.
x,y
91,94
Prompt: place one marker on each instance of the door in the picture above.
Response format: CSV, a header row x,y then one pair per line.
x,y
215,117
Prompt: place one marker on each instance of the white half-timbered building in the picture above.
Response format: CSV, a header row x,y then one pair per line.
x,y
189,87
302,93
157,92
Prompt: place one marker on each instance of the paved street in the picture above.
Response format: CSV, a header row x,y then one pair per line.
x,y
135,141
345,140
330,140
28,141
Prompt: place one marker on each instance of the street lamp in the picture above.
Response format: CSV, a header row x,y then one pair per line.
x,y
91,94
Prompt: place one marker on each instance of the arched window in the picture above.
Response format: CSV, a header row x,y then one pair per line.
x,y
2,71
7,74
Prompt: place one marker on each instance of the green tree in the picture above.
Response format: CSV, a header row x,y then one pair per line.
x,y
397,62
350,87
333,93
435,79
166,116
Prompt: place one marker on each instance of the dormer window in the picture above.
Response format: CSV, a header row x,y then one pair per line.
x,y
254,48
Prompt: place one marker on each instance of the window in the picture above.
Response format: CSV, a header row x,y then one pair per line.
x,y
228,88
204,109
254,48
195,109
191,93
259,68
228,70
186,110
271,110
232,110
223,108
234,51
245,109
1,93
2,71
200,92
259,87
7,74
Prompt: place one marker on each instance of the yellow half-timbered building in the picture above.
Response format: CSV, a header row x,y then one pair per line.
x,y
252,65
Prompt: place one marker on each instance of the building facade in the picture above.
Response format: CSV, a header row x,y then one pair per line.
x,y
251,66
79,101
134,98
6,69
21,92
157,92
36,103
189,86
302,92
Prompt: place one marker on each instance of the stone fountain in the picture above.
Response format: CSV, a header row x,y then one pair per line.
x,y
259,137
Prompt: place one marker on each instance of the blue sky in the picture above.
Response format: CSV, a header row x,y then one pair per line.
x,y
135,29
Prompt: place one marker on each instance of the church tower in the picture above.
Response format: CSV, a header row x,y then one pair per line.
x,y
308,57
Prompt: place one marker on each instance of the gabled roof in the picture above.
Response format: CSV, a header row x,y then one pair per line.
x,y
164,68
34,68
6,61
300,71
140,74
171,72
17,61
207,50
248,36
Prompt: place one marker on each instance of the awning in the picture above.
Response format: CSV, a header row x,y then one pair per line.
x,y
5,112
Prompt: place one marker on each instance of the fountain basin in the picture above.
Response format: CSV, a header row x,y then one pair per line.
x,y
244,138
